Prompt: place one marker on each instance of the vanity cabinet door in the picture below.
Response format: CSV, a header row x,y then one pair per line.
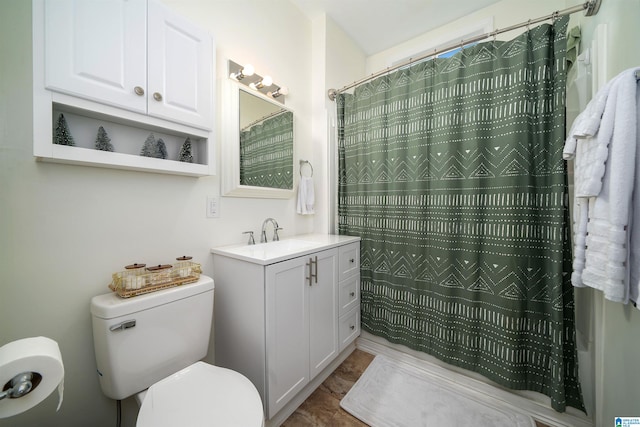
x,y
287,331
323,311
97,50
301,323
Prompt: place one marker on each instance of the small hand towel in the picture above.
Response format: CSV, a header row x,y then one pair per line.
x,y
306,196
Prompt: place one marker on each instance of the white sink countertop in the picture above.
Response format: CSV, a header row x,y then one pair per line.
x,y
287,248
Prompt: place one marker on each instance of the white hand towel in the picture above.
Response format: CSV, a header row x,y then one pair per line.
x,y
306,196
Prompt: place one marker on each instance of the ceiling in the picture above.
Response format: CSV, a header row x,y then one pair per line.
x,y
376,25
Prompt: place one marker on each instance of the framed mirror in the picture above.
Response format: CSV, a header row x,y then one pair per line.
x,y
257,144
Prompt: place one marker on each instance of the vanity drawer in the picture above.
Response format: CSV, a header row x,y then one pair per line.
x,y
349,260
349,294
349,328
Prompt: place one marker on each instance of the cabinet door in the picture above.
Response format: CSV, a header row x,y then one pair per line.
x,y
180,69
97,50
287,330
323,311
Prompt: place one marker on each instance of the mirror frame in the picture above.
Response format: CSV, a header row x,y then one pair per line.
x,y
230,147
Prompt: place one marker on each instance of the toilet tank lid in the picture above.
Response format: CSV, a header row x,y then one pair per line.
x,y
109,306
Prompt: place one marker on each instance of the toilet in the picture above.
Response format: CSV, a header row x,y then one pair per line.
x,y
150,347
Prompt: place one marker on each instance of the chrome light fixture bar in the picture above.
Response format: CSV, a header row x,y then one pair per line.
x,y
245,74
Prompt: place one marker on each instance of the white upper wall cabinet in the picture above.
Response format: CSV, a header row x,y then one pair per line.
x,y
98,50
130,54
131,66
180,69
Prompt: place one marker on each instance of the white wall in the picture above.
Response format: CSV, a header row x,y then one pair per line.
x,y
64,229
337,61
499,15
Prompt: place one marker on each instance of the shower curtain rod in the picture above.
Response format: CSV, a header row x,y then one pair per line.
x,y
261,119
590,7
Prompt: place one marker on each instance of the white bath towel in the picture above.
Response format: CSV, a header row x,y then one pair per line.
x,y
611,210
634,225
591,152
306,196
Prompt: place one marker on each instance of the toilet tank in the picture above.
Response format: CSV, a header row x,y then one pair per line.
x,y
141,340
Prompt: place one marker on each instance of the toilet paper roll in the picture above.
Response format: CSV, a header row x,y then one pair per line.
x,y
37,354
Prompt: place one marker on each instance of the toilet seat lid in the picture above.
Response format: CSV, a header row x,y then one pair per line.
x,y
202,395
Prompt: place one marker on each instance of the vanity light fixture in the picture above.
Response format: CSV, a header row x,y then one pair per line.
x,y
280,91
266,81
245,71
247,76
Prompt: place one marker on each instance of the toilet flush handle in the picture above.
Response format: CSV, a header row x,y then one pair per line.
x,y
122,326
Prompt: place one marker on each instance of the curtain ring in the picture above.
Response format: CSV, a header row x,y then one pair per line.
x,y
555,16
529,25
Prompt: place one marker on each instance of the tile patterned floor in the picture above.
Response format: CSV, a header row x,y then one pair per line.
x,y
322,408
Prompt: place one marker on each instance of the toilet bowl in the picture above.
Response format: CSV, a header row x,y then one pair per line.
x,y
201,395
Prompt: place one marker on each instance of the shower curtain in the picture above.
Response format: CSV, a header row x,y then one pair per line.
x,y
451,171
266,153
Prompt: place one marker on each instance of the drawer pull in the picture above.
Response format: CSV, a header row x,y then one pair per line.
x,y
311,274
138,90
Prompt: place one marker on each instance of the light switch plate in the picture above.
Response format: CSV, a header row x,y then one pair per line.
x,y
213,207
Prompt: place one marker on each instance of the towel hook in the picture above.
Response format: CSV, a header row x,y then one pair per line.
x,y
302,163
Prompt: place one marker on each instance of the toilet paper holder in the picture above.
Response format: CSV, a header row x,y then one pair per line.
x,y
20,385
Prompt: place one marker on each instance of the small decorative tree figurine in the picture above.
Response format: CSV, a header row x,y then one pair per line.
x,y
62,135
185,152
149,147
103,142
161,149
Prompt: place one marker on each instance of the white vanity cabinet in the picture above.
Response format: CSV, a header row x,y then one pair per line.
x,y
278,318
131,54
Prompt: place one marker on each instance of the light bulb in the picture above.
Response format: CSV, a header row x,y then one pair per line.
x,y
280,91
248,70
267,81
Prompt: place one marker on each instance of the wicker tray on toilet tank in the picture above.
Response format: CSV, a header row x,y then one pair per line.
x,y
138,279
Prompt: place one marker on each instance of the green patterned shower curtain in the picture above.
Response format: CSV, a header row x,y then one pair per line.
x,y
266,153
451,171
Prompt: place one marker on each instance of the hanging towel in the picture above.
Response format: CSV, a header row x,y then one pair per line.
x,y
604,205
306,196
573,44
592,152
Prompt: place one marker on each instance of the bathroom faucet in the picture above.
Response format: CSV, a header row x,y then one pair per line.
x,y
251,239
276,227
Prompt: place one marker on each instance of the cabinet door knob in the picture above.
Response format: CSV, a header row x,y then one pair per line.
x,y
352,327
352,294
138,90
157,96
352,260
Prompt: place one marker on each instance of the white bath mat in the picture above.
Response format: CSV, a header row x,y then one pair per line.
x,y
391,393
